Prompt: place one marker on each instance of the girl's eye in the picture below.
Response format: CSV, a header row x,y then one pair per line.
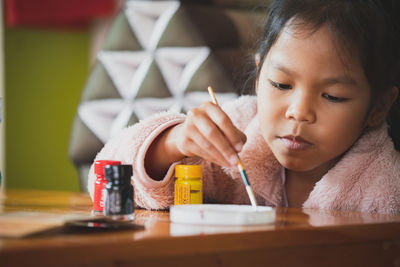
x,y
281,86
333,98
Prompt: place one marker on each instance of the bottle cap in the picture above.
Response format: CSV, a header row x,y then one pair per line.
x,y
189,171
118,172
100,164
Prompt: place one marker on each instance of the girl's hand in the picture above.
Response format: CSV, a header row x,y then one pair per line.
x,y
210,134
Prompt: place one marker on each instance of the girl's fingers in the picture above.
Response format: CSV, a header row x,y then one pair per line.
x,y
236,137
210,152
192,148
191,142
210,131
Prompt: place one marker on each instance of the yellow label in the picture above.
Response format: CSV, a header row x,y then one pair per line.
x,y
186,193
196,197
182,194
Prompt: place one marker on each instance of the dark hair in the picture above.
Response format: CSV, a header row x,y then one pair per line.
x,y
371,27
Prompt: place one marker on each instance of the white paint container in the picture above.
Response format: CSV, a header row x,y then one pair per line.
x,y
218,214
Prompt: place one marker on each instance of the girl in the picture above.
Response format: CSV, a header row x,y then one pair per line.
x,y
314,136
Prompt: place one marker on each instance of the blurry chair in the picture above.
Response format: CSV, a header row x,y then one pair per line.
x,y
162,55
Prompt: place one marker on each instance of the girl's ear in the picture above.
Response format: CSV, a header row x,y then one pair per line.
x,y
382,107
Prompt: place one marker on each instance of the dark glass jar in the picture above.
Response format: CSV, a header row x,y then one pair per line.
x,y
119,192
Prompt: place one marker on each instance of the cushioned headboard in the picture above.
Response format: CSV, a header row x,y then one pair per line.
x,y
161,55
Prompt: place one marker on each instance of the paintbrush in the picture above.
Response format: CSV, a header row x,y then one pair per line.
x,y
239,164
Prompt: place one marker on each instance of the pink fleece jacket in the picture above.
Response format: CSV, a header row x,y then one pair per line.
x,y
366,179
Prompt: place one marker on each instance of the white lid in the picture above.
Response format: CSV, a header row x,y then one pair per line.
x,y
218,214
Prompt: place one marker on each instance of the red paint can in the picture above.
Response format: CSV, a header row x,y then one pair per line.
x,y
98,199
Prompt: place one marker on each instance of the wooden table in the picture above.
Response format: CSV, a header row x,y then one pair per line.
x,y
297,238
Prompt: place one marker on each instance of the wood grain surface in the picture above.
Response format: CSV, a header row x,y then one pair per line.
x,y
299,237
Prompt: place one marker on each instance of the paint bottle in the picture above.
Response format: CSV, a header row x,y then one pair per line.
x,y
118,203
188,184
99,184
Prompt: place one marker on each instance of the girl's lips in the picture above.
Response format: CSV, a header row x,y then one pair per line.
x,y
295,142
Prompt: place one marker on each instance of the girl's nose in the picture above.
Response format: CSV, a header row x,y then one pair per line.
x,y
301,109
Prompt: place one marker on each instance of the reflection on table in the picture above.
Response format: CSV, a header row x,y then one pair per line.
x,y
299,237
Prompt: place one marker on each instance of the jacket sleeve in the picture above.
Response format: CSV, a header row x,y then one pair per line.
x,y
130,146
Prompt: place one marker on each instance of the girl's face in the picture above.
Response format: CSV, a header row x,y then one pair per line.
x,y
312,101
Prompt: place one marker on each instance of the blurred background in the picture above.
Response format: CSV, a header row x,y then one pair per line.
x,y
72,72
47,48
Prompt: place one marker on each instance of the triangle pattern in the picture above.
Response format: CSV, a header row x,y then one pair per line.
x,y
121,36
149,19
179,64
122,119
153,84
84,145
195,99
144,107
99,85
98,115
182,30
126,69
211,72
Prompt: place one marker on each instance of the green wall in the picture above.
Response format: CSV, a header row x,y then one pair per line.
x,y
45,71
